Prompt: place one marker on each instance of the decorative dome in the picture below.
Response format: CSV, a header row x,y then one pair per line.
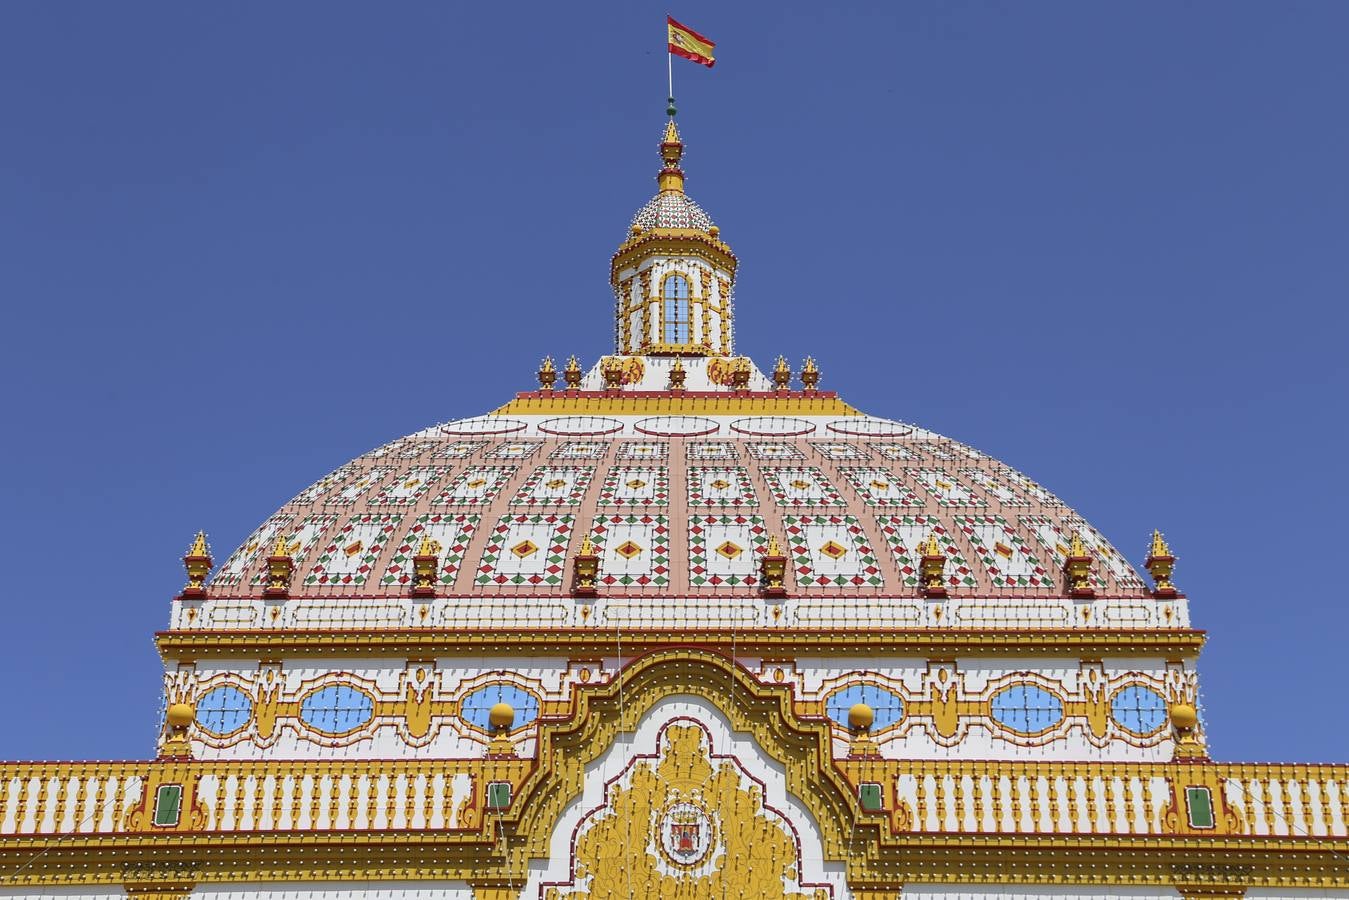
x,y
681,510
672,209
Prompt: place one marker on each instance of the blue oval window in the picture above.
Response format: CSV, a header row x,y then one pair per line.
x,y
338,709
476,705
223,710
1138,709
1027,709
887,705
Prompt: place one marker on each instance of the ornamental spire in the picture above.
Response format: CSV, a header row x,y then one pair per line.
x,y
671,177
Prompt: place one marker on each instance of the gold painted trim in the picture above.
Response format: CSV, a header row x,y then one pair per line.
x,y
675,404
193,645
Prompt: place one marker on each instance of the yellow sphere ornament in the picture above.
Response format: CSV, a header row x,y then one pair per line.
x,y
861,716
180,715
1183,715
502,715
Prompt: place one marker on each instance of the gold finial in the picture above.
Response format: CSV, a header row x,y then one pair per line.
x,y
547,374
585,568
1077,569
810,374
773,570
860,719
671,177
572,373
280,567
424,564
1161,562
677,375
198,564
782,374
611,367
932,567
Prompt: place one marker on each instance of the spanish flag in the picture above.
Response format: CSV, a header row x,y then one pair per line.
x,y
691,45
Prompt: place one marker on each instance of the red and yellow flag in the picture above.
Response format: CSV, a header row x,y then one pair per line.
x,y
691,45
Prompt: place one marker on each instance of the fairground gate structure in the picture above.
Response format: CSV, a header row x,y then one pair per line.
x,y
669,625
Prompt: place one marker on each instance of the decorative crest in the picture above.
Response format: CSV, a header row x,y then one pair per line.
x,y
782,374
1077,569
932,567
547,374
1161,562
280,567
572,373
198,564
810,374
585,568
773,570
677,375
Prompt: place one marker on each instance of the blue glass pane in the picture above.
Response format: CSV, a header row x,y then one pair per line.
x,y
888,707
475,707
1027,709
1139,709
337,709
223,710
676,286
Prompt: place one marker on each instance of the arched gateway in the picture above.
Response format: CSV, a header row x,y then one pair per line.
x,y
668,626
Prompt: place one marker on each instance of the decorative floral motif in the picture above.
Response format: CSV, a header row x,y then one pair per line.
x,y
725,550
721,486
879,487
354,549
944,488
554,486
636,486
502,563
831,551
409,487
721,451
634,550
644,450
1006,557
838,450
774,450
475,486
801,486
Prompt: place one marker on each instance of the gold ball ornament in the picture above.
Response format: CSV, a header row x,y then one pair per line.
x,y
1184,715
180,715
714,231
861,716
502,715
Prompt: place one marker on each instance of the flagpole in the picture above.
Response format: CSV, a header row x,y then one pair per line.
x,y
669,72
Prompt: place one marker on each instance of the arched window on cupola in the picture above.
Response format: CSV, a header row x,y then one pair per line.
x,y
675,312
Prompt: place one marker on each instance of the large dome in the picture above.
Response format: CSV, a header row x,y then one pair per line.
x,y
683,506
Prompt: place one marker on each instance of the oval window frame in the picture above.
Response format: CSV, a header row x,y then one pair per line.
x,y
1027,686
309,696
1141,686
861,698
485,727
247,720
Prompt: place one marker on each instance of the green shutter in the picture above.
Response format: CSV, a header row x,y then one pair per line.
x,y
869,793
1200,804
168,802
499,795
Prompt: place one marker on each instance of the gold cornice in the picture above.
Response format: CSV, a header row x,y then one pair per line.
x,y
672,242
650,403
176,645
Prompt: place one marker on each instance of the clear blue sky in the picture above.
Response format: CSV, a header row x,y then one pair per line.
x,y
242,243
